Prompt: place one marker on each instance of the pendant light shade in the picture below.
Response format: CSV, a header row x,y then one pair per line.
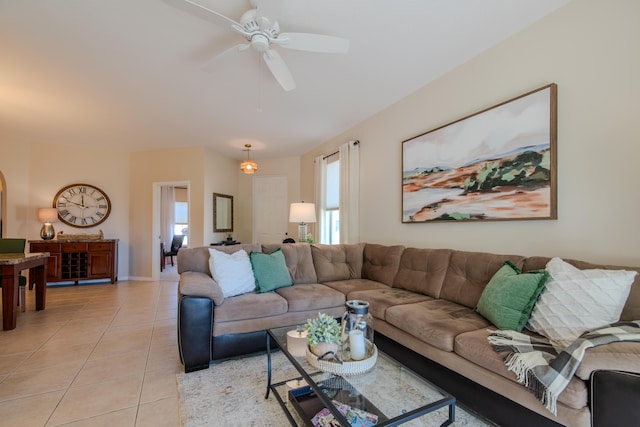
x,y
248,166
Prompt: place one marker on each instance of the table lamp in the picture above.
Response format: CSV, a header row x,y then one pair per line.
x,y
302,213
47,216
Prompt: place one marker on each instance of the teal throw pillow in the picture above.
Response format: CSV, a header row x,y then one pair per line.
x,y
510,295
270,271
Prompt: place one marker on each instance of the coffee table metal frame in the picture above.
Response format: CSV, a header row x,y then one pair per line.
x,y
279,336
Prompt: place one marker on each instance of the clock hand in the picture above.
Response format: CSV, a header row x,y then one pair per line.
x,y
77,204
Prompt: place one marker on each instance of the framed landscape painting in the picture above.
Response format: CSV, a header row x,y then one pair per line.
x,y
495,165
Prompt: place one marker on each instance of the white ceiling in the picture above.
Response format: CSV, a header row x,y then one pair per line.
x,y
128,74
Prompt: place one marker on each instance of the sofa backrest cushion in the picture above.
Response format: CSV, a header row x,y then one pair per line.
x,y
631,310
423,270
469,272
380,263
337,262
299,260
197,259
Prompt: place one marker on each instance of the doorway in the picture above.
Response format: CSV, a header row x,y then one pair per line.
x,y
270,214
181,196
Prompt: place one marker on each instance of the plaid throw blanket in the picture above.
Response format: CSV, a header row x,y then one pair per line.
x,y
546,370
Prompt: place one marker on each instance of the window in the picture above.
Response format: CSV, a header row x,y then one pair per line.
x,y
330,227
181,226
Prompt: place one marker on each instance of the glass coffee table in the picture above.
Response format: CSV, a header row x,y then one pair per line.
x,y
390,394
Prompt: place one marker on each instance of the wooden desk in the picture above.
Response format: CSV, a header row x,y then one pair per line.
x,y
10,267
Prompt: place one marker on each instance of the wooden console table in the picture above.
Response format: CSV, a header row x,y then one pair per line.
x,y
10,267
75,260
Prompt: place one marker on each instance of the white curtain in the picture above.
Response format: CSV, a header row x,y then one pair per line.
x,y
349,192
320,165
167,214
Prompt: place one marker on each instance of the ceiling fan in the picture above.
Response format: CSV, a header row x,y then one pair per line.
x,y
262,35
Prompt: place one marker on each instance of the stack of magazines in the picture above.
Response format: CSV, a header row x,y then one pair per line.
x,y
356,417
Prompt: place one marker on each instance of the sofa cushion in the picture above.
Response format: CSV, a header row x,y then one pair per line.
x,y
380,263
232,272
196,284
299,260
250,306
435,321
270,271
422,270
576,301
337,262
469,272
311,296
621,356
510,295
631,310
347,287
381,299
474,347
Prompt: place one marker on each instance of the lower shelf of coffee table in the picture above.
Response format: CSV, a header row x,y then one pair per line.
x,y
307,404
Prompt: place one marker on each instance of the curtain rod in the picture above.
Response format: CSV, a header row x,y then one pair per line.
x,y
356,142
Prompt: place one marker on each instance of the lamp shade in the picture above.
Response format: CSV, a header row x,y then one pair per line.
x,y
47,215
302,212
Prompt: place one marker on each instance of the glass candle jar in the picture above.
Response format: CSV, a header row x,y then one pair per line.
x,y
357,330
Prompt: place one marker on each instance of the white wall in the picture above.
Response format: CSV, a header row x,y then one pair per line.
x,y
590,49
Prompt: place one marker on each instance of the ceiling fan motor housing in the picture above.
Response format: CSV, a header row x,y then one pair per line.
x,y
260,42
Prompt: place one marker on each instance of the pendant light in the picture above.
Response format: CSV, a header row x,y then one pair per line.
x,y
248,166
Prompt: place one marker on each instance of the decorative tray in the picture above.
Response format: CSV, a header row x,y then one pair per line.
x,y
347,367
79,236
308,404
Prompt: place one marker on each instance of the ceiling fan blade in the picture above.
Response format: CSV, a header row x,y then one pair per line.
x,y
213,62
226,18
279,69
313,42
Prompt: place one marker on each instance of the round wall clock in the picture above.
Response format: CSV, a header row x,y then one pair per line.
x,y
82,205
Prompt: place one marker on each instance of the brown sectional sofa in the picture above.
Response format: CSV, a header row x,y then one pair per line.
x,y
421,299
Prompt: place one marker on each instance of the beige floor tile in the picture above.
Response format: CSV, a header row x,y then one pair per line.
x,y
10,362
98,399
161,413
167,358
128,374
35,381
20,344
30,411
55,355
158,384
118,344
123,365
121,418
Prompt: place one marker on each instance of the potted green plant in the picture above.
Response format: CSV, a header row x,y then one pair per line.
x,y
323,334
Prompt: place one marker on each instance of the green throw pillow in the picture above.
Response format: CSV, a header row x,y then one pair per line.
x,y
510,295
270,271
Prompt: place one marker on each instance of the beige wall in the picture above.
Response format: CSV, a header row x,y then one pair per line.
x,y
34,173
590,49
221,176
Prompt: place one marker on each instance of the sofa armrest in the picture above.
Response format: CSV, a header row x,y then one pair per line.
x,y
614,398
195,322
197,284
620,356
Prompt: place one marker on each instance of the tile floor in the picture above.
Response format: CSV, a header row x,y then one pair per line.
x,y
98,355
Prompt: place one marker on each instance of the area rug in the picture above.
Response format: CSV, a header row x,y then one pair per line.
x,y
231,394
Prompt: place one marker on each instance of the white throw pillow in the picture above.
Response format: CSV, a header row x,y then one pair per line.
x,y
575,301
232,272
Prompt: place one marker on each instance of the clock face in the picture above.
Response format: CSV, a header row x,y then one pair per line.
x,y
82,205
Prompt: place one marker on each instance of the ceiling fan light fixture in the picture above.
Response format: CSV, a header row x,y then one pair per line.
x,y
248,166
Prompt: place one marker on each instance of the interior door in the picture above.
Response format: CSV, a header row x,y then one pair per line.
x,y
270,210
